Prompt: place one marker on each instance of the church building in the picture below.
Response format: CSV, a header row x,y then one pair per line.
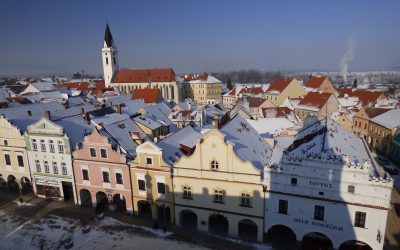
x,y
126,81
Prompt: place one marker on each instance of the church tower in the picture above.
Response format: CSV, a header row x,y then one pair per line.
x,y
109,53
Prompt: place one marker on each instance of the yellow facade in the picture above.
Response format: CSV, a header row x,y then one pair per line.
x,y
216,192
204,93
13,160
293,90
150,169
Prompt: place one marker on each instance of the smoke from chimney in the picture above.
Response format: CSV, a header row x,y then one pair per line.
x,y
346,58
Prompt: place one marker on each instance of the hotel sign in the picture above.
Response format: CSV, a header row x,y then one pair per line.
x,y
318,224
321,184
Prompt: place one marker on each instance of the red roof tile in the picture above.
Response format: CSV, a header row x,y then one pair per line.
x,y
372,111
144,75
364,95
147,95
280,83
315,81
315,99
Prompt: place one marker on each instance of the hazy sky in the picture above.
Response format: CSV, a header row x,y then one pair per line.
x,y
45,37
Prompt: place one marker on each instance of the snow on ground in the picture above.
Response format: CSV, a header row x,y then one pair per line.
x,y
52,231
21,204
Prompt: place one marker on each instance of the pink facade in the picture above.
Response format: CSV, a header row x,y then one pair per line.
x,y
101,173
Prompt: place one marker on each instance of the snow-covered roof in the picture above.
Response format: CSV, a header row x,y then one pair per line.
x,y
75,128
389,119
171,144
118,99
348,101
132,107
43,86
147,122
108,119
327,140
248,144
268,127
35,109
121,132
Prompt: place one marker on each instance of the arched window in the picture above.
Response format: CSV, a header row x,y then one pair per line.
x,y
214,165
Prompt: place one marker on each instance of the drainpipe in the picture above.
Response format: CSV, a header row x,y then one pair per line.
x,y
263,232
173,194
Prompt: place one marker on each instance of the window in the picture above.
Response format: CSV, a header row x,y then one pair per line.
x,y
7,159
85,174
51,143
161,187
55,167
34,144
38,168
245,199
5,143
43,145
64,168
103,153
92,152
360,219
20,160
187,192
149,160
319,212
218,195
293,181
46,167
118,177
142,185
214,165
350,189
283,207
106,60
106,177
60,147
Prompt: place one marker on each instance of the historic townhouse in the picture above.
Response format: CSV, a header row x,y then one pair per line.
x,y
382,128
151,174
14,165
217,187
229,99
319,83
284,87
361,120
128,80
202,88
102,173
317,104
323,188
49,146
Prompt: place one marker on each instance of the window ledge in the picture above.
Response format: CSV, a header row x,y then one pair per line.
x,y
249,206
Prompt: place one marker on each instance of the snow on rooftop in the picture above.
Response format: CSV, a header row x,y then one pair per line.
x,y
268,127
389,119
35,109
248,144
75,128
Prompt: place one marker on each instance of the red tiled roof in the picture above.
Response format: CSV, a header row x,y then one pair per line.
x,y
315,81
147,95
280,83
364,95
280,111
246,90
255,102
372,111
144,75
191,77
315,99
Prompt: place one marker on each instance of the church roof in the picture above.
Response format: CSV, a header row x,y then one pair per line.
x,y
108,37
144,75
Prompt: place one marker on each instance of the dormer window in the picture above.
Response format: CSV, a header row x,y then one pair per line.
x,y
214,165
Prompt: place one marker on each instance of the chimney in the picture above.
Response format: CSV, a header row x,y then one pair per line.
x,y
87,118
216,122
82,110
29,113
66,105
47,115
119,108
103,105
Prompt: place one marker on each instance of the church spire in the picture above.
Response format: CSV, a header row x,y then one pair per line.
x,y
108,39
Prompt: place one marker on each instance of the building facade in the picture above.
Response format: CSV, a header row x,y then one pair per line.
x,y
14,165
284,87
49,154
102,173
325,191
202,88
218,189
